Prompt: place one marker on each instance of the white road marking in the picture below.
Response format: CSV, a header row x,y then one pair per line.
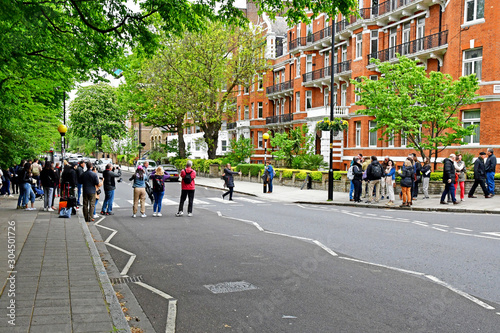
x,y
472,235
461,293
131,202
439,229
219,213
100,220
110,236
423,224
172,306
441,225
463,229
497,234
327,249
221,200
371,214
249,200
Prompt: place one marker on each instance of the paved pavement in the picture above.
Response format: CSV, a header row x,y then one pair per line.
x,y
295,194
58,282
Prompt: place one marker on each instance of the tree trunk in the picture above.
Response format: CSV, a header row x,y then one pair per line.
x,y
180,134
211,136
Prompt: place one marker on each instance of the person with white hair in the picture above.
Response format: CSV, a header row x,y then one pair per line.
x,y
490,167
188,176
449,179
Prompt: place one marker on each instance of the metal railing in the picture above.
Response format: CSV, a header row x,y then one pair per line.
x,y
231,126
414,46
325,71
280,87
280,119
301,41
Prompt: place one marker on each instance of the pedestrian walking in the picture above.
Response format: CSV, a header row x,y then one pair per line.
x,y
15,180
79,171
6,180
479,177
48,180
389,180
89,181
158,189
270,176
490,167
21,179
374,174
98,191
406,174
109,176
426,177
228,173
140,177
460,176
449,180
357,179
417,169
188,176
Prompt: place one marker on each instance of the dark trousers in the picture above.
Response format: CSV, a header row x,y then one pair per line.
x,y
357,189
190,195
230,192
414,190
474,186
88,206
449,188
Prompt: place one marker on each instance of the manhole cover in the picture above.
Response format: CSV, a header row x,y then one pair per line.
x,y
230,287
127,279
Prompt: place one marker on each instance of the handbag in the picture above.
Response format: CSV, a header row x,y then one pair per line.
x,y
65,213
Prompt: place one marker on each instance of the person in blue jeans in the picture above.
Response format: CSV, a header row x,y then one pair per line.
x,y
109,176
158,189
449,179
79,171
490,168
270,171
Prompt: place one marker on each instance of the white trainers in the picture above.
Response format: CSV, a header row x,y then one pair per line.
x,y
144,215
190,214
45,209
179,214
96,216
50,210
154,214
133,215
159,214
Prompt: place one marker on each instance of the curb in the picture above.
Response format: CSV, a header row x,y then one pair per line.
x,y
115,310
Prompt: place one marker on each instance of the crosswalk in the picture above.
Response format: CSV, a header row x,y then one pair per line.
x,y
198,202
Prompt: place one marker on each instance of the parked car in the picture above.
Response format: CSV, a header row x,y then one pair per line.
x,y
73,160
152,165
171,170
100,165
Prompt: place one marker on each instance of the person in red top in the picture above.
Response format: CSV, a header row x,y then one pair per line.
x,y
187,175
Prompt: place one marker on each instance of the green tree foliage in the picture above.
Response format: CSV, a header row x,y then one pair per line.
x,y
95,113
292,145
422,106
240,150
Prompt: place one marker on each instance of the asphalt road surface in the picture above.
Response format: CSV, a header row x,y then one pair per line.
x,y
262,266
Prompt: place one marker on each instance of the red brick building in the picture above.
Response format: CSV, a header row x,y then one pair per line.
x,y
457,37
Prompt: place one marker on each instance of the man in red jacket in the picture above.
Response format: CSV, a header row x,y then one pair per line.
x,y
187,185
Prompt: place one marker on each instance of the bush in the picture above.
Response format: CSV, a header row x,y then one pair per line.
x,y
287,173
437,176
337,175
301,175
470,174
254,169
497,176
317,176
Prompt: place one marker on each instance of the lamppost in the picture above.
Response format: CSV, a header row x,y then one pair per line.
x,y
332,104
265,136
62,130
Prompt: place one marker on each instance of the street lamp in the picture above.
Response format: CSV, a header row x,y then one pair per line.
x,y
332,104
62,130
265,136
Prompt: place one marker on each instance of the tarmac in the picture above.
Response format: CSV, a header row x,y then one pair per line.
x,y
53,278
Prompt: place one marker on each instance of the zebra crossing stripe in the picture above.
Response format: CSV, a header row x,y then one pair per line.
x,y
248,200
132,203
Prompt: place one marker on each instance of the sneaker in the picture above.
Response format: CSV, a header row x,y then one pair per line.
x,y
154,214
144,215
382,197
133,215
222,195
179,214
110,213
11,196
50,210
96,216
102,212
45,209
159,214
190,214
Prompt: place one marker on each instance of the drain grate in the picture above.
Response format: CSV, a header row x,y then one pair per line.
x,y
230,287
127,279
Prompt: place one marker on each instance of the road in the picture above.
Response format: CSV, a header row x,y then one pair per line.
x,y
263,266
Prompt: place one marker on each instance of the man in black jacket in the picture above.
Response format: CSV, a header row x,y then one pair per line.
x,y
490,167
374,173
89,181
479,177
449,180
109,176
79,172
417,169
68,180
357,180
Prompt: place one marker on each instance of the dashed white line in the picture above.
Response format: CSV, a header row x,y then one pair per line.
x,y
441,225
463,229
439,229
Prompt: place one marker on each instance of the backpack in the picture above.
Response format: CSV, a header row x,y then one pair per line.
x,y
187,178
350,173
158,184
376,171
35,170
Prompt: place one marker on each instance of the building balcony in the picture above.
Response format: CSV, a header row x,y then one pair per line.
x,y
231,126
280,90
238,124
321,77
319,113
433,46
279,119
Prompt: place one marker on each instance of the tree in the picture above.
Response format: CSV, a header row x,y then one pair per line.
x,y
292,146
95,113
423,107
240,150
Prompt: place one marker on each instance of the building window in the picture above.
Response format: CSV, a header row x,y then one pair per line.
x,y
260,82
390,143
357,97
373,135
277,110
326,96
260,109
374,43
343,94
239,112
374,77
474,10
239,90
223,125
327,59
473,62
344,53
246,112
358,134
297,67
309,63
359,46
335,94
470,118
283,106
259,137
404,139
297,101
308,100
253,111
223,145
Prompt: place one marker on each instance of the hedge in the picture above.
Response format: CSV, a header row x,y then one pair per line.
x,y
301,175
337,175
254,169
317,175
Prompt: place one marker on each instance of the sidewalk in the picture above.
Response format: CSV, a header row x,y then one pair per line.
x,y
59,283
296,195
